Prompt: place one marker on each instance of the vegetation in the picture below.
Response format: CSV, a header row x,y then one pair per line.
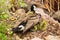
x,y
3,16
21,3
41,26
4,26
3,36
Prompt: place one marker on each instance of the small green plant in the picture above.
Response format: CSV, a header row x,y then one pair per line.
x,y
43,25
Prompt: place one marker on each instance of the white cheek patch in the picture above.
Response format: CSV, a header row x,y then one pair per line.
x,y
22,27
38,10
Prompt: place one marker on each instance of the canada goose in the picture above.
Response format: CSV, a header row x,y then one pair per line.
x,y
21,26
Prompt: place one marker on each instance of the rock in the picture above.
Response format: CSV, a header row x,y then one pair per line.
x,y
36,38
50,37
